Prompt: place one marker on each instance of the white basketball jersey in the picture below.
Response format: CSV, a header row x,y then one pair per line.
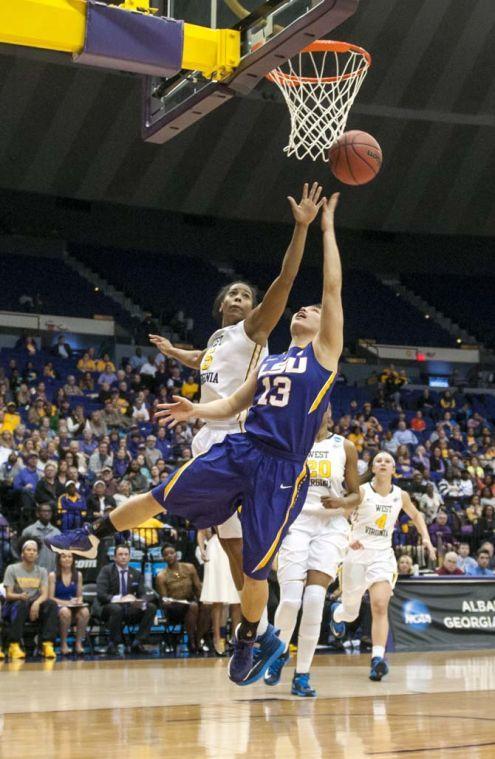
x,y
230,356
326,463
374,520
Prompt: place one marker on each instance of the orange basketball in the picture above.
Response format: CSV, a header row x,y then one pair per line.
x,y
355,158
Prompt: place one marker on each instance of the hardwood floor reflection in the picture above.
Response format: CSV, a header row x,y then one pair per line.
x,y
438,705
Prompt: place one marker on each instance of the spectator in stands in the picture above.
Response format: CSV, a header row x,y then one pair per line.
x,y
405,566
62,348
99,459
151,453
25,484
121,462
65,588
140,413
464,560
99,501
137,360
485,526
487,497
389,443
430,502
425,403
86,363
108,479
403,436
72,510
180,589
190,388
71,388
138,482
48,489
447,401
88,444
113,416
440,529
482,568
123,492
87,385
11,418
8,472
418,423
26,586
39,530
438,468
449,567
76,422
148,370
122,595
105,364
108,375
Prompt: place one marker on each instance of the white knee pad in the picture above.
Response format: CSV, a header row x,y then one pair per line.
x,y
290,602
309,629
313,602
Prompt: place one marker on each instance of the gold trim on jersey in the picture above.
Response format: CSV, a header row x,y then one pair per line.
x,y
328,384
178,474
255,357
266,558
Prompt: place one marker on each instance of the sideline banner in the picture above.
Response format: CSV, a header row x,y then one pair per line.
x,y
443,614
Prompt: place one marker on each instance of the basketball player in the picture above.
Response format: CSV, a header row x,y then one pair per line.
x,y
236,349
263,469
370,562
312,551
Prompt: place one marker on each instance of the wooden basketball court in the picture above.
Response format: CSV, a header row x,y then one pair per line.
x,y
438,705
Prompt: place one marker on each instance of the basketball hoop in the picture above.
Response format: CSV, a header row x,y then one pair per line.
x,y
319,86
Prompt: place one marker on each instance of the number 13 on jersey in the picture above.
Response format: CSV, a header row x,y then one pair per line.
x,y
277,391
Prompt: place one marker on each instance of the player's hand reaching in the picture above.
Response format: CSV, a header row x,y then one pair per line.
x,y
328,211
306,210
432,553
174,413
331,502
161,343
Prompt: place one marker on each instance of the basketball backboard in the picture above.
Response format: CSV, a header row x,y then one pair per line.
x,y
271,32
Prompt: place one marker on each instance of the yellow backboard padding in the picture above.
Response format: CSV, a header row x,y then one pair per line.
x,y
60,25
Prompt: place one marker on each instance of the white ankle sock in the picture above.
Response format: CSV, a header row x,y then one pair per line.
x,y
378,651
263,623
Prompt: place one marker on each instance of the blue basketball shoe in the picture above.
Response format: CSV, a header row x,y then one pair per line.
x,y
81,542
338,628
274,671
301,686
379,668
247,665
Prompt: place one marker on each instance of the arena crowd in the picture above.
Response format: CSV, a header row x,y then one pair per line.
x,y
77,437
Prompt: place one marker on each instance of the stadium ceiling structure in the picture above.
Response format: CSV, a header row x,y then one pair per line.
x,y
429,99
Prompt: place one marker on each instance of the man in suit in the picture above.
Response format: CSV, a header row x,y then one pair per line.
x,y
121,595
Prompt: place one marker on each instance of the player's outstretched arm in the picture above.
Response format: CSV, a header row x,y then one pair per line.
x,y
329,341
418,521
192,359
264,318
224,408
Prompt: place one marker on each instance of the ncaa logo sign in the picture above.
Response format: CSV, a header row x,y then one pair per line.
x,y
416,614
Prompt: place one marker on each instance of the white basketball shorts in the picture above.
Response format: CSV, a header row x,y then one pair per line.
x,y
202,442
311,543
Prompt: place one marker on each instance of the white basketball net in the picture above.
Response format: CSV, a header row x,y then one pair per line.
x,y
319,89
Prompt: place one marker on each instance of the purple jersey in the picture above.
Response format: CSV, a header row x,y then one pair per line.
x,y
292,394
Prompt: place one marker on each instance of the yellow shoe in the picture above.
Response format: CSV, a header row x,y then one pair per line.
x,y
2,655
16,652
47,650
